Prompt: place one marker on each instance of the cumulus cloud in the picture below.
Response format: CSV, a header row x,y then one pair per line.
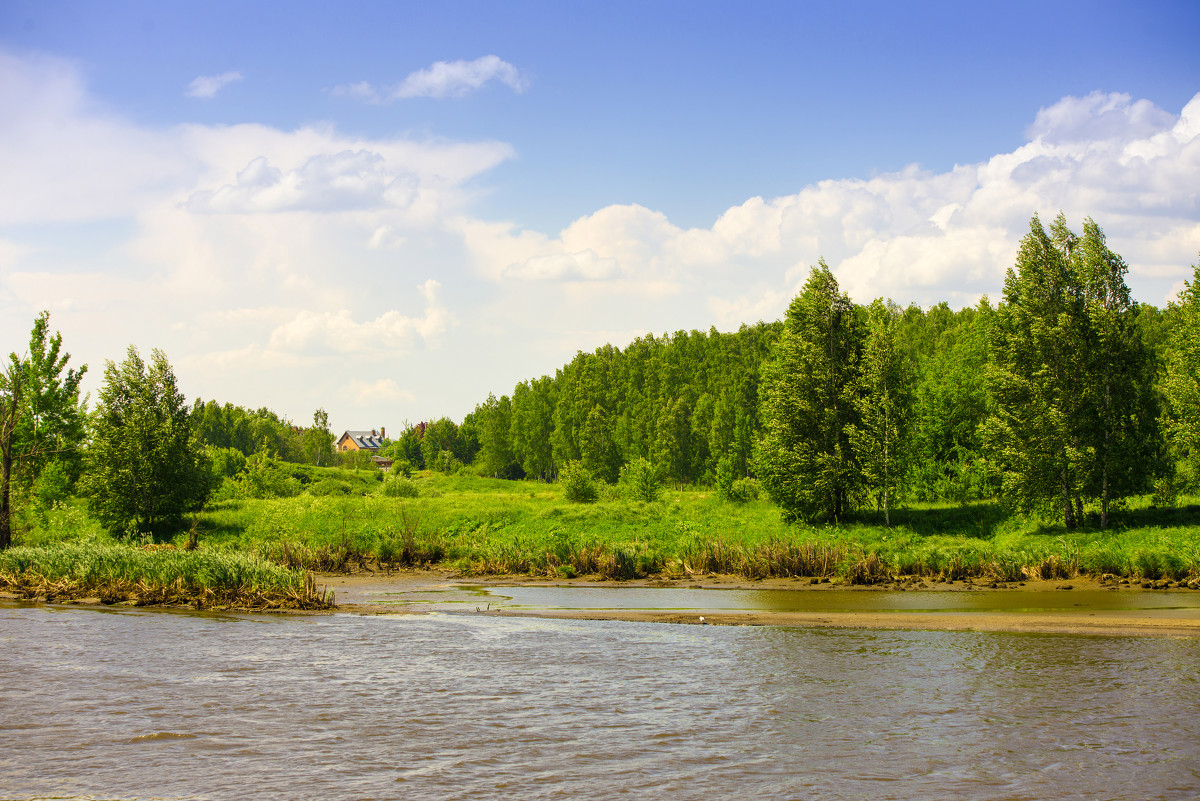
x,y
207,86
913,235
1098,116
440,80
372,393
255,255
338,332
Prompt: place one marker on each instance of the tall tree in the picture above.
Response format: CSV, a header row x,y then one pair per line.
x,y
1181,380
881,436
809,403
1039,347
41,416
1076,415
319,439
145,464
1125,440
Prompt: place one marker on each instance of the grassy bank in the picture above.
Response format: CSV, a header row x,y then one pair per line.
x,y
482,527
153,576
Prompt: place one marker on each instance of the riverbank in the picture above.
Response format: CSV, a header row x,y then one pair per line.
x,y
1080,606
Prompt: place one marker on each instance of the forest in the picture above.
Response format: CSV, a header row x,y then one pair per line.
x,y
1064,402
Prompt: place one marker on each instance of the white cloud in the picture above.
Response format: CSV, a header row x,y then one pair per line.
x,y
441,79
207,86
338,332
913,235
373,393
277,267
1098,116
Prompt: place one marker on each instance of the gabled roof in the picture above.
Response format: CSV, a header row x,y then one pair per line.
x,y
368,440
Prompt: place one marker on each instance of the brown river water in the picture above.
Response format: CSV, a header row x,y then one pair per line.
x,y
125,703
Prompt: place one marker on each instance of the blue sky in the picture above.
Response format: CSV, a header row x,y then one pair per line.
x,y
390,209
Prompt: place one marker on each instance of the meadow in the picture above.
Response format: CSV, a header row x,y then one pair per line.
x,y
260,553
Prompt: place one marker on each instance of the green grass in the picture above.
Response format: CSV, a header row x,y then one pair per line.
x,y
480,526
155,575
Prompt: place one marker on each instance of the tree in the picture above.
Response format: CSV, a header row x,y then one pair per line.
x,y
880,438
41,417
1076,415
1124,439
145,465
805,459
1036,377
319,439
1181,382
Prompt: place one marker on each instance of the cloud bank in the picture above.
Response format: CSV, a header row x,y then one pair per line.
x,y
913,235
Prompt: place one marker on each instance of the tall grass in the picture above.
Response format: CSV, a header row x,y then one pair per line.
x,y
147,576
480,526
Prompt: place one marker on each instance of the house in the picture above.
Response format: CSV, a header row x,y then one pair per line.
x,y
370,441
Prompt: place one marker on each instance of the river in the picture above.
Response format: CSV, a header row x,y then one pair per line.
x,y
126,703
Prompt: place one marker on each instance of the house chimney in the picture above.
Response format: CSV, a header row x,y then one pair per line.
x,y
382,432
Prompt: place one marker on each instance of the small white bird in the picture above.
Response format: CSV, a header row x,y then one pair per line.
x,y
702,620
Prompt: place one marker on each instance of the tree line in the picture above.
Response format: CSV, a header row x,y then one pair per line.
x,y
1065,394
1065,397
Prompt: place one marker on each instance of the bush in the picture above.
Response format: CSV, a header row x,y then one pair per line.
x,y
640,481
399,486
329,486
53,486
578,484
730,487
742,490
446,462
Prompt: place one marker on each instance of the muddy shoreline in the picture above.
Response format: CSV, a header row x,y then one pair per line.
x,y
357,594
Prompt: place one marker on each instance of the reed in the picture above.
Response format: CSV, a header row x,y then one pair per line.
x,y
481,526
157,576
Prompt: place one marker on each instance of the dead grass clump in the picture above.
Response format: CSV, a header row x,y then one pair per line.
x,y
867,569
1049,568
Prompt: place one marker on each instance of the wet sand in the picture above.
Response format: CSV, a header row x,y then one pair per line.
x,y
415,592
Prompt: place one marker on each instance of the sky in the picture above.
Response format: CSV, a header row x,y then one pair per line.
x,y
389,210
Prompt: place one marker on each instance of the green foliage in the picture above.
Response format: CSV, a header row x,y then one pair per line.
x,y
742,490
577,483
41,417
881,437
145,466
1076,412
731,487
640,481
318,440
397,485
116,572
356,460
226,462
1181,382
810,403
329,487
250,431
53,485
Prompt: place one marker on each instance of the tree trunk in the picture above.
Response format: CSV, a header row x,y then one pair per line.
x,y
1068,507
5,501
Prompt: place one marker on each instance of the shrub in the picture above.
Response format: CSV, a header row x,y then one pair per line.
x,y
640,481
578,484
742,490
399,486
731,487
329,486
